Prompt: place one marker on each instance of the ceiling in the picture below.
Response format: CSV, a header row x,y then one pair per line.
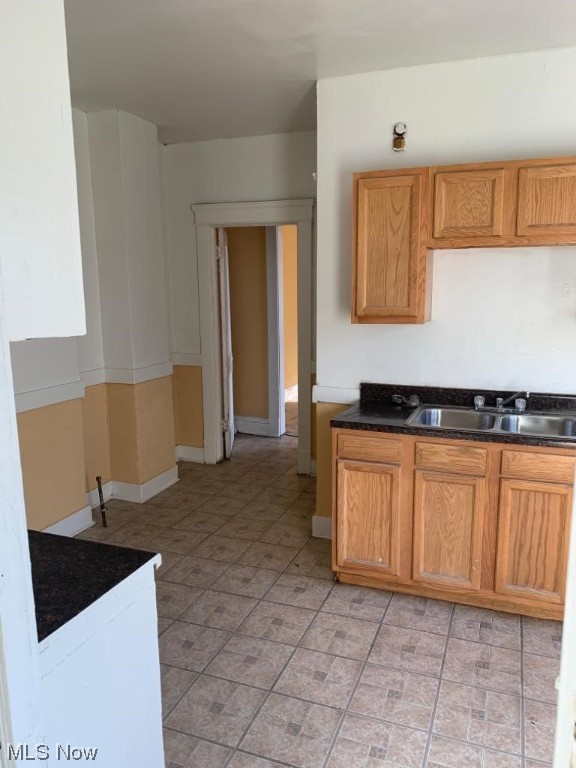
x,y
204,69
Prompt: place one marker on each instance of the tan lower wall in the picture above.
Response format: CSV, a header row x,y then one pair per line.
x,y
324,412
96,435
141,429
289,234
187,397
52,457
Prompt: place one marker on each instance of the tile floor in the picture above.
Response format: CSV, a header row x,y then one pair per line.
x,y
266,661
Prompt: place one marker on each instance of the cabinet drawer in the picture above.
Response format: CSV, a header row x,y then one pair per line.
x,y
370,448
451,458
538,466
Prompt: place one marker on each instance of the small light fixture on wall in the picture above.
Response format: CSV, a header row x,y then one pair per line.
x,y
399,140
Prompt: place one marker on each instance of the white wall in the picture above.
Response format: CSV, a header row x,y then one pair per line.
x,y
272,167
501,318
39,237
132,286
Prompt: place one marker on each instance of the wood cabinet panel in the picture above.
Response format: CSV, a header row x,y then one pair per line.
x,y
448,523
469,203
370,448
390,261
538,466
547,202
368,522
533,533
451,458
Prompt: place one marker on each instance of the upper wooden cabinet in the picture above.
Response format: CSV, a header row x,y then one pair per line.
x,y
547,203
473,206
399,214
389,275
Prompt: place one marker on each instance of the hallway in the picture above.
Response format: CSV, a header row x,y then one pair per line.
x,y
267,662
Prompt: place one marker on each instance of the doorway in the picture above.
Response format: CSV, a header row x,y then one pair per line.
x,y
270,215
257,274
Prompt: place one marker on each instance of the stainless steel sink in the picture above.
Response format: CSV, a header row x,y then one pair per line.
x,y
452,418
467,419
534,424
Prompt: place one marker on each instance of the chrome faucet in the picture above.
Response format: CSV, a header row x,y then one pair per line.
x,y
412,401
501,403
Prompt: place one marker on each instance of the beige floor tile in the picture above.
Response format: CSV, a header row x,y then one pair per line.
x,y
175,683
312,563
136,534
293,731
189,646
218,710
487,718
374,744
409,649
219,610
250,660
286,535
319,677
245,580
542,637
485,626
177,541
396,696
261,510
340,635
540,673
244,491
357,602
419,613
244,760
196,571
539,730
244,528
169,560
483,665
299,517
302,591
201,521
447,753
163,516
272,621
271,556
163,624
173,599
184,751
222,548
222,505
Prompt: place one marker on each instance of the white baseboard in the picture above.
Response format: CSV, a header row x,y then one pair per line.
x,y
291,394
256,426
189,453
322,527
93,497
145,491
73,524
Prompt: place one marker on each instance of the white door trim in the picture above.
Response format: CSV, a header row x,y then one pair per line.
x,y
267,213
276,415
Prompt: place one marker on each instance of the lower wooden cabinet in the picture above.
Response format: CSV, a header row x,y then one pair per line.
x,y
369,500
449,513
533,534
453,519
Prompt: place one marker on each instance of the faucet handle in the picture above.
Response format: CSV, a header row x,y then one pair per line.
x,y
520,404
479,401
499,403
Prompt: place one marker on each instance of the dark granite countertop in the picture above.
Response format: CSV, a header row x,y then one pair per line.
x,y
68,575
375,412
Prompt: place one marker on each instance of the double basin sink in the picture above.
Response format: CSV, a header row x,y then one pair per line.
x,y
534,424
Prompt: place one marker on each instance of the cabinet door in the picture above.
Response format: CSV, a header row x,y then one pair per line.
x,y
449,515
368,527
533,532
389,269
547,203
471,205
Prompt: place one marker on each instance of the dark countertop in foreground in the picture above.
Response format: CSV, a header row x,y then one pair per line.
x,y
68,575
379,414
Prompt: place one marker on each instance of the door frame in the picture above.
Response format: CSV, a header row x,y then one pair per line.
x,y
269,213
275,313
